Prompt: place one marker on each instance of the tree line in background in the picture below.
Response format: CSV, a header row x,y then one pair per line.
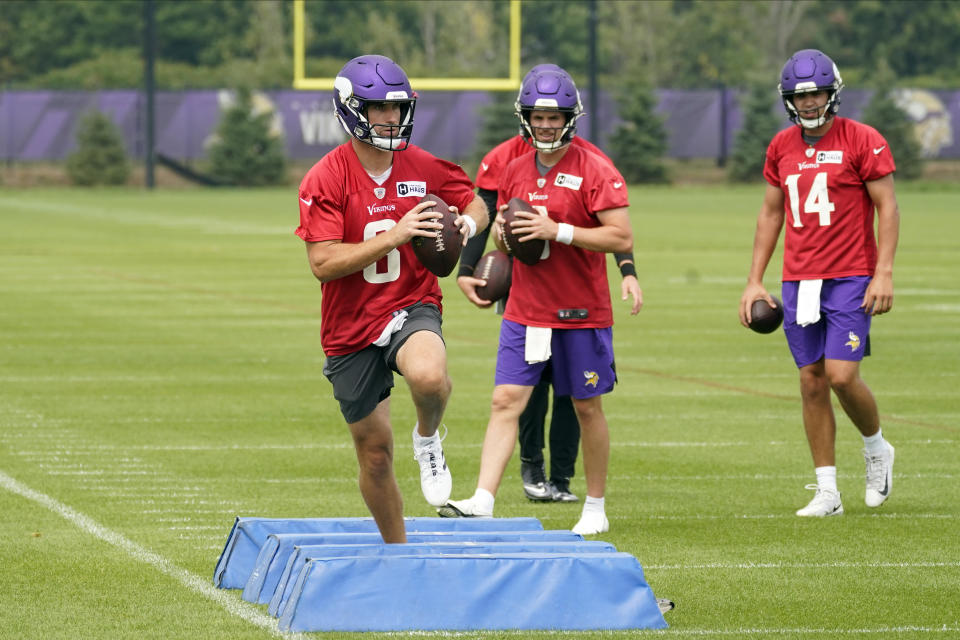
x,y
97,44
245,44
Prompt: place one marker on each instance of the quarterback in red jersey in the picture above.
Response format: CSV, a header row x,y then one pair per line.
x,y
380,311
564,437
826,178
559,310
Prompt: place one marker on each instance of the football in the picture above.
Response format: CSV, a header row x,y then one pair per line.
x,y
439,253
763,317
528,252
494,267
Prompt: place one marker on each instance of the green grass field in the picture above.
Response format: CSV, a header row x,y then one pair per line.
x,y
160,374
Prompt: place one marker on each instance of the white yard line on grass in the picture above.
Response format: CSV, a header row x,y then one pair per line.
x,y
815,632
821,632
202,586
802,565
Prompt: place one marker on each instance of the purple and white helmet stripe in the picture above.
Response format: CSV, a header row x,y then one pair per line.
x,y
374,79
810,70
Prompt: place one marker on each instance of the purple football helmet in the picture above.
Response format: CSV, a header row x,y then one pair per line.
x,y
548,89
808,71
374,79
546,66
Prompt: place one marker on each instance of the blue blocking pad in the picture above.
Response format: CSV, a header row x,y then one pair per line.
x,y
471,592
301,555
277,548
248,534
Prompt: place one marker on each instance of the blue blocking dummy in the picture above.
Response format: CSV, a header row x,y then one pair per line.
x,y
301,555
248,534
277,548
577,591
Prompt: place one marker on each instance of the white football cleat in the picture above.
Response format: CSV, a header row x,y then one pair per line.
x,y
879,476
435,479
467,508
826,502
591,523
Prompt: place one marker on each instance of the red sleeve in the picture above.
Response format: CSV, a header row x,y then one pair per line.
x,y
456,188
494,164
488,173
770,172
321,204
608,189
875,157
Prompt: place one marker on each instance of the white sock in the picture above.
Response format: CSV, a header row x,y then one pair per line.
x,y
420,440
593,504
875,443
826,478
483,499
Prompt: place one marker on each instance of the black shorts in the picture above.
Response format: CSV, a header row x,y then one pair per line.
x,y
363,379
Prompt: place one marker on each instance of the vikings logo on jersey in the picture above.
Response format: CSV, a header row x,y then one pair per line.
x,y
853,342
591,379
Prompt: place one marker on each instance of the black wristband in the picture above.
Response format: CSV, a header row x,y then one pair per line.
x,y
628,269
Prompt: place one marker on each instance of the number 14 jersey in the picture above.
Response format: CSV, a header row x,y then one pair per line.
x,y
828,210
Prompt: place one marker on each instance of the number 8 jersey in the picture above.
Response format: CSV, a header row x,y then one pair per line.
x,y
828,210
339,201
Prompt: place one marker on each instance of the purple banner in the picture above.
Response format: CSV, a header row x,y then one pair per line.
x,y
41,125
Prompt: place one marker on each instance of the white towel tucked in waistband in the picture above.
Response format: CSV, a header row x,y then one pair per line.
x,y
395,324
808,302
537,345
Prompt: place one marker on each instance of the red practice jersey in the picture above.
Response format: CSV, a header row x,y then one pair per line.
x,y
497,159
339,201
829,213
573,191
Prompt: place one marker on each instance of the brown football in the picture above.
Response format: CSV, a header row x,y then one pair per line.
x,y
439,253
528,252
763,317
494,267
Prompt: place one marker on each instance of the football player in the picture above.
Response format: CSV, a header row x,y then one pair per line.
x,y
828,177
564,428
559,309
380,308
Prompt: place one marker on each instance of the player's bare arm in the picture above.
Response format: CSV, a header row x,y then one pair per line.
x,y
332,259
630,287
468,285
614,234
769,224
477,211
879,295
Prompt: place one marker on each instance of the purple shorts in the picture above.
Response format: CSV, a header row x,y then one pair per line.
x,y
582,360
843,331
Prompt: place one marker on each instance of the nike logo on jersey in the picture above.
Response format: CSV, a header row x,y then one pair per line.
x,y
617,185
877,151
307,202
484,166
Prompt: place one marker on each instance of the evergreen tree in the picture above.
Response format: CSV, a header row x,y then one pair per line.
x,y
498,123
760,124
883,114
100,157
246,153
639,143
